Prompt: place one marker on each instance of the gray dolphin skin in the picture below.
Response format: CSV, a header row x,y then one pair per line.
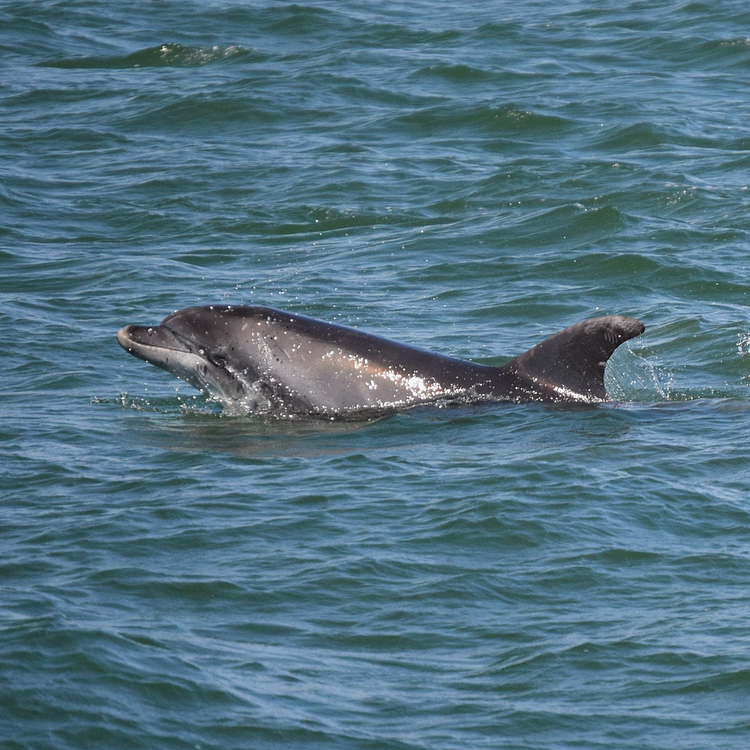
x,y
267,361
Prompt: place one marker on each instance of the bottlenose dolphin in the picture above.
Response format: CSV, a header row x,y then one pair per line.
x,y
262,360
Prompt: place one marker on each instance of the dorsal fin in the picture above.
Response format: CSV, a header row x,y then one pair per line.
x,y
569,366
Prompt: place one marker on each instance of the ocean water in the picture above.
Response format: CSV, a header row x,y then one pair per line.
x,y
468,178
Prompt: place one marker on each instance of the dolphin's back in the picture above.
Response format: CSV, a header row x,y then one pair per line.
x,y
328,369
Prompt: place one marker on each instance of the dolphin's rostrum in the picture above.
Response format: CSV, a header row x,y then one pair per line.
x,y
261,360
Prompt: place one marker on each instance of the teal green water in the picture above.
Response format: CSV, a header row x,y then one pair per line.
x,y
466,178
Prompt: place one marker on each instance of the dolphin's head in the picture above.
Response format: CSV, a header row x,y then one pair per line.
x,y
200,345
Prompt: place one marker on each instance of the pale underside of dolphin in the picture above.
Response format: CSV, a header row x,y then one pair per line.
x,y
266,361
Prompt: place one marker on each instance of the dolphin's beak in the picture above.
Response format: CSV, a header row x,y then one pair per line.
x,y
123,337
149,342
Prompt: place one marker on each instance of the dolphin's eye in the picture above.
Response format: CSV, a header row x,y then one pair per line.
x,y
217,359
